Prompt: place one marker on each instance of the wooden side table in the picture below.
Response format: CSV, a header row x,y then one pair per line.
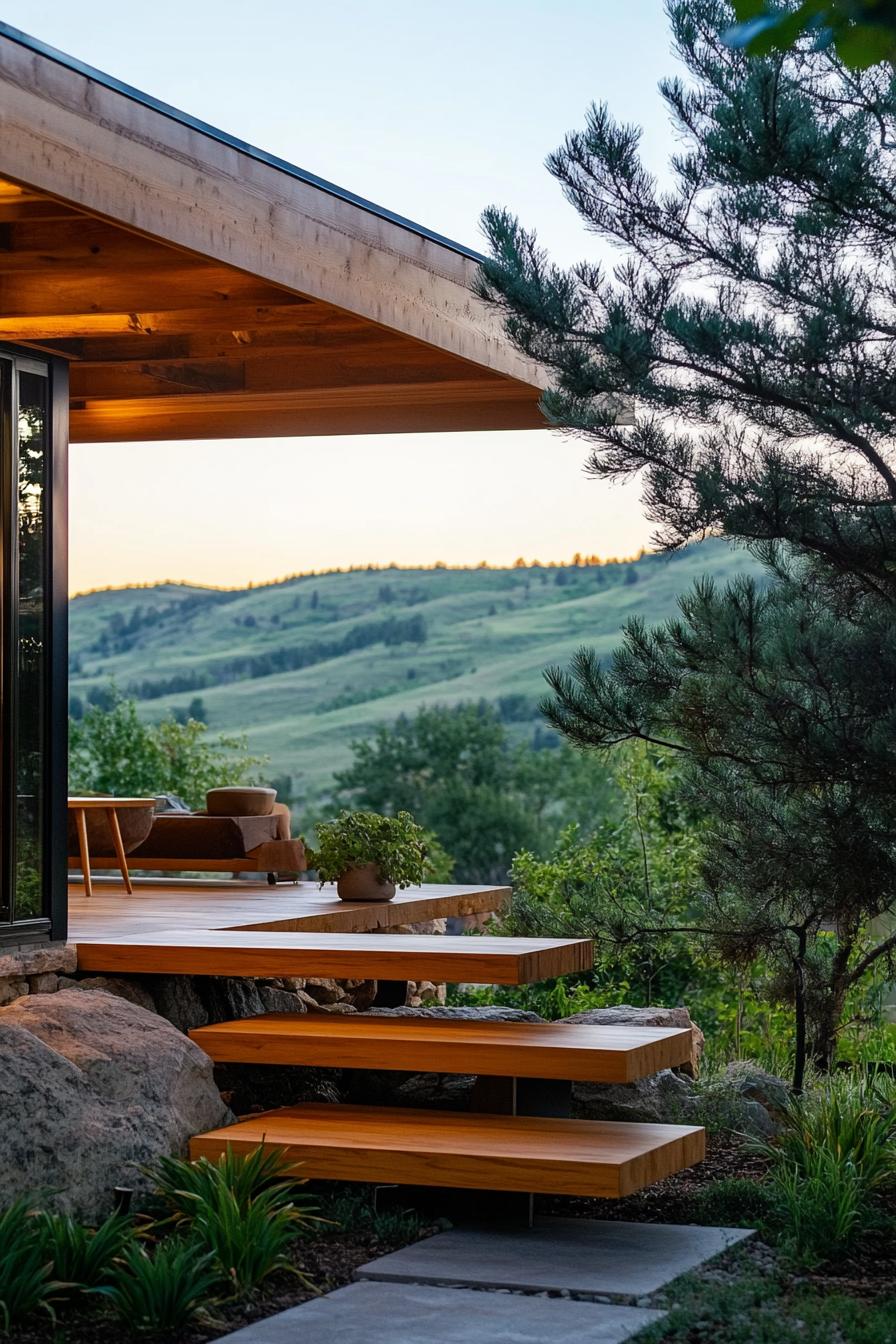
x,y
111,806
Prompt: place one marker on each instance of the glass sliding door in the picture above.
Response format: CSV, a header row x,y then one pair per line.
x,y
33,415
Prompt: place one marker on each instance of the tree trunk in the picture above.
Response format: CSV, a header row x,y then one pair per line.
x,y
799,1003
827,1004
823,1026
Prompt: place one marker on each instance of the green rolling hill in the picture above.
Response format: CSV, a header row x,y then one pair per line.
x,y
306,665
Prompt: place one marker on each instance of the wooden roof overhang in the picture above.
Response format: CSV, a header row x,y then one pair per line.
x,y
201,289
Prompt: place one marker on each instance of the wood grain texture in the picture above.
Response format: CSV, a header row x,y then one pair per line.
x,y
294,907
92,148
486,960
164,343
611,1054
382,408
484,1152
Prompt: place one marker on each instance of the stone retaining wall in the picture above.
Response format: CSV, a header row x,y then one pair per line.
x,y
34,969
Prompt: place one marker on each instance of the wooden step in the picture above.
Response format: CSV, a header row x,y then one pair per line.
x,y
612,1054
479,1152
365,956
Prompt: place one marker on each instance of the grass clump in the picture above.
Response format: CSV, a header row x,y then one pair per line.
x,y
27,1285
835,1153
245,1212
356,1209
165,1290
763,1308
81,1257
735,1201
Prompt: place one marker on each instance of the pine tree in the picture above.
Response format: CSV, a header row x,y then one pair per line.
x,y
748,335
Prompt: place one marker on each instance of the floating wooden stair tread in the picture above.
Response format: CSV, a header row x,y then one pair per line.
x,y
611,1054
481,1152
475,960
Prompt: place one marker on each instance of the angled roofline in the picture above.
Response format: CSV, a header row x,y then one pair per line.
x,y
231,141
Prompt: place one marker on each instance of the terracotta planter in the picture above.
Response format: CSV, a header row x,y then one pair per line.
x,y
363,884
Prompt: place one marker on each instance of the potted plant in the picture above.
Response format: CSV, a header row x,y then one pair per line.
x,y
368,855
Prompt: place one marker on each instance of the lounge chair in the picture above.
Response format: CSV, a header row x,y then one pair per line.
x,y
208,841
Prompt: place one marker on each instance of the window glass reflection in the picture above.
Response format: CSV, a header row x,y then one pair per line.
x,y
30,644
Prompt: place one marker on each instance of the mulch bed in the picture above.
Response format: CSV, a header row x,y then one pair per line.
x,y
671,1200
870,1272
329,1261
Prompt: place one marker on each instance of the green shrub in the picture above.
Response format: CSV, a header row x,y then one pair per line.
x,y
81,1257
849,1115
26,1272
355,1209
836,1149
822,1205
163,1291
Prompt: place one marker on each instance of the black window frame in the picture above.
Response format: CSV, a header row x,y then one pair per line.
x,y
52,923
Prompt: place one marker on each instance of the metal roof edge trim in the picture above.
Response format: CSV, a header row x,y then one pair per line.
x,y
205,128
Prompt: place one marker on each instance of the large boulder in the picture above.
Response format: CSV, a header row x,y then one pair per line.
x,y
486,1014
92,1089
744,1098
664,1098
125,987
624,1014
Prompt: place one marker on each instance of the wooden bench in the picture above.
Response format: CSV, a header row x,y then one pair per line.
x,y
344,956
611,1054
480,1152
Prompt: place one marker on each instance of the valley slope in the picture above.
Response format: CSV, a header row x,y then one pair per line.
x,y
306,665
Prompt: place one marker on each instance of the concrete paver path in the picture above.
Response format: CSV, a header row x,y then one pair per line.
x,y
415,1314
625,1261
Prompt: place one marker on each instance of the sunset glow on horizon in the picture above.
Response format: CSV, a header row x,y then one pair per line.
x,y
358,100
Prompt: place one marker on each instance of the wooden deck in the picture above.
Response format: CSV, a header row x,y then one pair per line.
x,y
181,907
247,929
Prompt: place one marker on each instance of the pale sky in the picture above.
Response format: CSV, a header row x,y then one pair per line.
x,y
433,112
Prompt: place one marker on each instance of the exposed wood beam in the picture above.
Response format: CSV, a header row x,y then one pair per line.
x,y
279,372
285,312
219,377
89,287
395,409
245,343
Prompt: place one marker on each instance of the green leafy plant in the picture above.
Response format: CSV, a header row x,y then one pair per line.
x,y
396,845
862,32
26,1271
83,1257
836,1150
244,1210
183,1184
248,1241
164,1290
354,1208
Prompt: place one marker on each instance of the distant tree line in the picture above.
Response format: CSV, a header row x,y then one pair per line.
x,y
121,631
391,631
